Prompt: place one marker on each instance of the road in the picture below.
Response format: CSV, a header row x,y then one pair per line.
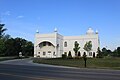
x,y
26,70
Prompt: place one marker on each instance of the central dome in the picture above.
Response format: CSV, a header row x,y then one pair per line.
x,y
90,31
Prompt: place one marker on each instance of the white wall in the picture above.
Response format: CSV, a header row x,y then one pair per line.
x,y
82,41
58,41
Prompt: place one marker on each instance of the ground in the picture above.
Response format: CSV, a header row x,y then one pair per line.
x,y
104,63
24,69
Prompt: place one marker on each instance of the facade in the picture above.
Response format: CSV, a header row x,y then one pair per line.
x,y
53,45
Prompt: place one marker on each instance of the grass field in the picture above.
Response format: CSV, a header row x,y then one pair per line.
x,y
103,63
6,58
9,58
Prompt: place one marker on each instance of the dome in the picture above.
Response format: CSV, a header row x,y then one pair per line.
x,y
96,31
37,31
90,31
55,30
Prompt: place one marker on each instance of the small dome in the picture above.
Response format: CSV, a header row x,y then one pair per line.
x,y
37,31
96,31
55,30
90,31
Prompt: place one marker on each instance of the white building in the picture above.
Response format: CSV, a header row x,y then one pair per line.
x,y
53,45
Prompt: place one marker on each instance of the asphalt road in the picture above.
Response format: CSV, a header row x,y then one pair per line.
x,y
26,70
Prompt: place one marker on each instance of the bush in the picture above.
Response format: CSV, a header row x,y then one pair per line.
x,y
79,54
77,57
64,56
69,55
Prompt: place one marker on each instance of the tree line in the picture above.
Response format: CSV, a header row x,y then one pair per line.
x,y
12,46
108,53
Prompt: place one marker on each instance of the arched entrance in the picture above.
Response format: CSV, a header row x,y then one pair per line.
x,y
46,49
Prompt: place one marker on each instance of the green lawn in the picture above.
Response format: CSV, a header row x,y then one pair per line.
x,y
8,58
109,63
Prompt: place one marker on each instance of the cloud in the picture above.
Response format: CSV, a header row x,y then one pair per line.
x,y
20,16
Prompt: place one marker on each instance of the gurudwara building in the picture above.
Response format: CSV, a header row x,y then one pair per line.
x,y
53,45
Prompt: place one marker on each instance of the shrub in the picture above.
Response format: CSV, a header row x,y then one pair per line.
x,y
69,55
79,54
64,56
77,57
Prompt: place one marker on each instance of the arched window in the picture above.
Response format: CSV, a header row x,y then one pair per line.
x,y
84,53
49,44
65,44
93,54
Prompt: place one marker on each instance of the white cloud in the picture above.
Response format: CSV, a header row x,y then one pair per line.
x,y
20,16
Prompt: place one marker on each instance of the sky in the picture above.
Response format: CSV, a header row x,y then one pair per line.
x,y
71,17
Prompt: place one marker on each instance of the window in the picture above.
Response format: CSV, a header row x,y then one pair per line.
x,y
38,52
57,45
54,54
44,53
44,43
49,51
49,44
93,54
90,53
65,44
39,45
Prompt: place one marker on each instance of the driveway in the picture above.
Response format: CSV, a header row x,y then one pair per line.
x,y
26,70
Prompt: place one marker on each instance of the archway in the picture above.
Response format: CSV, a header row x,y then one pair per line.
x,y
46,49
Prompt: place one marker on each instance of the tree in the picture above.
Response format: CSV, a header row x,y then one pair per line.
x,y
104,51
2,30
6,37
88,46
14,46
24,46
69,55
85,58
109,52
79,55
99,55
114,53
2,47
64,56
28,49
76,48
118,51
10,48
